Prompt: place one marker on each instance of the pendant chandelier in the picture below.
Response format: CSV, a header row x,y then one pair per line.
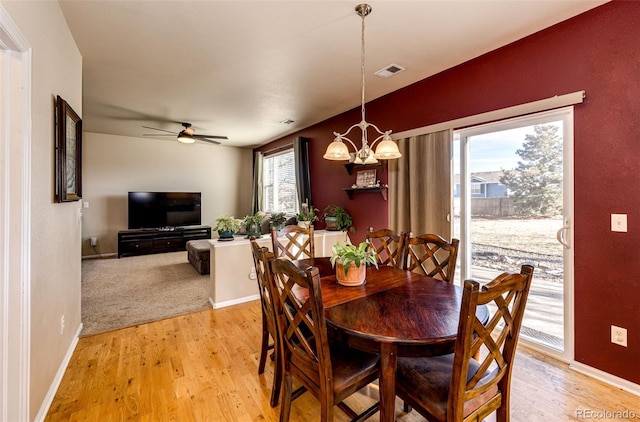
x,y
387,148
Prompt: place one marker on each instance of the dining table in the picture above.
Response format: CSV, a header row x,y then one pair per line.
x,y
395,313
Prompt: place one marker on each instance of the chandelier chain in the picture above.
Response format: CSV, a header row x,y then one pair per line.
x,y
387,149
362,69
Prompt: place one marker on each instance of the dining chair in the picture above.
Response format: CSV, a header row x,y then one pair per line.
x,y
389,246
330,371
431,255
457,387
293,242
261,256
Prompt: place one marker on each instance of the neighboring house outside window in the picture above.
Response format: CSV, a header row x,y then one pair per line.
x,y
483,185
279,192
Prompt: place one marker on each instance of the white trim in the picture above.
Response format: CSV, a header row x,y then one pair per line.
x,y
15,387
53,388
606,377
553,353
237,301
100,255
501,114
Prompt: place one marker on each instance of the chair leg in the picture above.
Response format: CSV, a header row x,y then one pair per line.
x,y
406,408
285,407
326,410
265,346
502,413
277,378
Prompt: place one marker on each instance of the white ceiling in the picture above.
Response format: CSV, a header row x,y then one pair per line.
x,y
239,68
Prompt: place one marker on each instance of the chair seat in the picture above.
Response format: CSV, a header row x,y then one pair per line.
x,y
351,367
428,381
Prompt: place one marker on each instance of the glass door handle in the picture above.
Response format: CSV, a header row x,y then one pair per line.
x,y
561,235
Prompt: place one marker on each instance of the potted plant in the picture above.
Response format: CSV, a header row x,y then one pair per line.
x,y
337,218
307,216
351,261
227,226
277,220
253,224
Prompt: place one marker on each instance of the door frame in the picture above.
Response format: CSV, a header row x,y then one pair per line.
x,y
15,220
566,115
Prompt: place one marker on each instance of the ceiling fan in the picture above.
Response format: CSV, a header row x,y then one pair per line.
x,y
187,135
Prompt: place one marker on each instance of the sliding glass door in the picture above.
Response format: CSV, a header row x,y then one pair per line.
x,y
513,205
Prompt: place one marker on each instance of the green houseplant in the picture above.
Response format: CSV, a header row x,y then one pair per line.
x,y
253,224
277,220
307,215
337,218
350,262
227,226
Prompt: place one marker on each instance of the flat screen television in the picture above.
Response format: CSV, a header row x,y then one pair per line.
x,y
152,210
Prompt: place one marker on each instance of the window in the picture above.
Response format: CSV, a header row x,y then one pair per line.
x,y
279,183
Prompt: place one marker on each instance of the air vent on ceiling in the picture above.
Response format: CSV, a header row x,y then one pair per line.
x,y
390,70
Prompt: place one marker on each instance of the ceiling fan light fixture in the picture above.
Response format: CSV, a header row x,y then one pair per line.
x,y
185,138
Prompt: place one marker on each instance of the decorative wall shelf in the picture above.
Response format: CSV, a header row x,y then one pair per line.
x,y
351,166
382,189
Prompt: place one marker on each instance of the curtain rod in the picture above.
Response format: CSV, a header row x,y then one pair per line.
x,y
500,114
277,149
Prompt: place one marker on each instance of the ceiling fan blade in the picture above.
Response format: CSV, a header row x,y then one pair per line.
x,y
162,130
210,136
210,141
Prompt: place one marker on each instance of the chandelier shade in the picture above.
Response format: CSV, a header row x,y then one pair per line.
x,y
387,149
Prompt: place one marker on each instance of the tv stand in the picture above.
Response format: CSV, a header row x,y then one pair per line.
x,y
162,239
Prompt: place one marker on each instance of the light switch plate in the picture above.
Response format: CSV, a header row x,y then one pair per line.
x,y
618,222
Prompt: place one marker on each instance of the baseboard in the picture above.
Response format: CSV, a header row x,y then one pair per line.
x,y
48,399
102,255
219,305
606,377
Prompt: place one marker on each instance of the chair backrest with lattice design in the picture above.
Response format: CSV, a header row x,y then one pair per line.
x,y
293,242
487,379
261,256
302,324
388,246
431,255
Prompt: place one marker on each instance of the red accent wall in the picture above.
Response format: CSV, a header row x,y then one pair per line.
x,y
599,52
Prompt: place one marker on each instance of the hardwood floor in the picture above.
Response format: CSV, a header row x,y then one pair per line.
x,y
204,367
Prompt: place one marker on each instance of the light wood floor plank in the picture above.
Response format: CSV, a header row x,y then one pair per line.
x,y
204,367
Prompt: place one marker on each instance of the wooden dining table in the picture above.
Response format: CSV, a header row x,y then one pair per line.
x,y
395,313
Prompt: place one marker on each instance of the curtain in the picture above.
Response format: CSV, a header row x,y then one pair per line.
x,y
256,199
420,194
303,177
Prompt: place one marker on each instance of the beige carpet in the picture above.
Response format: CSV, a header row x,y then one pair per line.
x,y
118,293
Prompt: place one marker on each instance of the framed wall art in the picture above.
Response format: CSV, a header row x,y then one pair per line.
x,y
365,178
68,153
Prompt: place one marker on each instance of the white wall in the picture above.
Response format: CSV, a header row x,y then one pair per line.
x,y
55,228
114,165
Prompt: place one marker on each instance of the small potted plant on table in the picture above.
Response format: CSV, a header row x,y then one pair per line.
x,y
351,261
338,219
227,226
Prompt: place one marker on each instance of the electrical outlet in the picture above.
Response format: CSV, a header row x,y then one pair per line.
x,y
94,241
61,324
252,274
619,335
618,222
